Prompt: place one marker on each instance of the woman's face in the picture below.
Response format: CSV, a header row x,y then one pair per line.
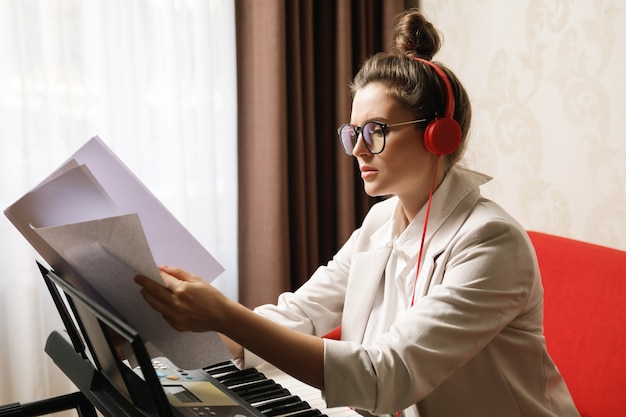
x,y
404,168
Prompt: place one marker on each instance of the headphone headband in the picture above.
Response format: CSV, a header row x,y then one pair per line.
x,y
449,109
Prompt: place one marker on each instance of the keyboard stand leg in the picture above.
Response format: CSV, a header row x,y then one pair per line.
x,y
49,406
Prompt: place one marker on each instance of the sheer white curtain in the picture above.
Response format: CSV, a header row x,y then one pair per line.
x,y
155,79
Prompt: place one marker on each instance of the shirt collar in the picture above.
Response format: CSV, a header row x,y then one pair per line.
x,y
456,186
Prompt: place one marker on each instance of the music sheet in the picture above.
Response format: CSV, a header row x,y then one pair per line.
x,y
97,225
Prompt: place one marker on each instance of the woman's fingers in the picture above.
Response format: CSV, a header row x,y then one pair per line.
x,y
155,295
179,273
183,300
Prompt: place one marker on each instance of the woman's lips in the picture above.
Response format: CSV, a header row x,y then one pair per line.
x,y
367,172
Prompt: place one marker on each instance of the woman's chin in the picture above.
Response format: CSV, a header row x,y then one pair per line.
x,y
373,191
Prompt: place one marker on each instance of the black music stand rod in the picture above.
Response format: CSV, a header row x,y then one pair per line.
x,y
49,406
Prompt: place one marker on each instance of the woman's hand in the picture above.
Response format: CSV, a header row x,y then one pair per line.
x,y
190,304
186,302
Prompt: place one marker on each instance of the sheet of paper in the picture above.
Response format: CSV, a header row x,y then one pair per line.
x,y
121,237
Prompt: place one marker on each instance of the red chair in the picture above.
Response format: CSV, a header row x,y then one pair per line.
x,y
585,320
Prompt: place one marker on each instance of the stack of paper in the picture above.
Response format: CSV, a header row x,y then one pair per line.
x,y
98,226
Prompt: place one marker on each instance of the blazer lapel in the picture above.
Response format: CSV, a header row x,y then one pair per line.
x,y
366,273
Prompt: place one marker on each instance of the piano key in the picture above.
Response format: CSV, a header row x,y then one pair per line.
x,y
311,412
241,380
220,368
253,387
240,376
288,399
269,394
286,409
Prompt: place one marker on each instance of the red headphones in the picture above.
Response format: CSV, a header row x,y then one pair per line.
x,y
443,135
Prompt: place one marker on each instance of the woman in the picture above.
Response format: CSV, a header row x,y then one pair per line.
x,y
440,311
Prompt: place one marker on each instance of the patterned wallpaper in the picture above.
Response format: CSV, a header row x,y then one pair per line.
x,y
547,80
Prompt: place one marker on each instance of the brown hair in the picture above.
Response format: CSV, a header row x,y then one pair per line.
x,y
414,83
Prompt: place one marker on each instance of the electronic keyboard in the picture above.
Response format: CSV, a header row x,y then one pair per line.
x,y
266,388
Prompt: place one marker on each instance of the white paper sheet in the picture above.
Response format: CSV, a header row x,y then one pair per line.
x,y
92,220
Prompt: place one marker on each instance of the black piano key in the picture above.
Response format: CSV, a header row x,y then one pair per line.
x,y
258,390
238,372
271,394
220,368
290,399
250,374
311,412
254,386
286,409
235,380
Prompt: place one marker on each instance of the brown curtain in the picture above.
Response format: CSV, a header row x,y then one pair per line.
x,y
299,194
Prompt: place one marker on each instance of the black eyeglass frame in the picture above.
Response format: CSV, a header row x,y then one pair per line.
x,y
358,130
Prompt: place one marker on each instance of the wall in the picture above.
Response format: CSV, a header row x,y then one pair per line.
x,y
549,101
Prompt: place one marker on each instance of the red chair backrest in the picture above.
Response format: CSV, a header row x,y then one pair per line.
x,y
585,320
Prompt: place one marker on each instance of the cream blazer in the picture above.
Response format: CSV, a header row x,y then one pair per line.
x,y
471,345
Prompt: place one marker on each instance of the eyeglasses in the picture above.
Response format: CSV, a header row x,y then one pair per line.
x,y
373,134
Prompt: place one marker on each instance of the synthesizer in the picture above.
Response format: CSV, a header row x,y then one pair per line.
x,y
266,388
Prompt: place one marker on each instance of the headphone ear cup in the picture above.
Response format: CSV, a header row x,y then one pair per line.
x,y
442,136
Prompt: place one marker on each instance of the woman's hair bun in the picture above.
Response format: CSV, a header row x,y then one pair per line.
x,y
414,36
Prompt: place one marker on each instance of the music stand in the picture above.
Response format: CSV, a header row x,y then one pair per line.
x,y
104,334
96,354
89,354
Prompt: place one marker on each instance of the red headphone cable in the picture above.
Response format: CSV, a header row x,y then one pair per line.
x,y
419,257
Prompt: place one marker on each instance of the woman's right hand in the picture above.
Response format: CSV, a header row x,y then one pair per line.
x,y
186,301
